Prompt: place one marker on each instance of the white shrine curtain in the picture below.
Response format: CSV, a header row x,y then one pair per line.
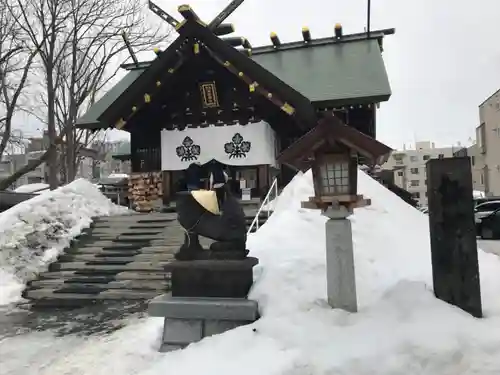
x,y
238,145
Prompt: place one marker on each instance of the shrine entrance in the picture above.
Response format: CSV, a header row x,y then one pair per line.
x,y
213,96
239,177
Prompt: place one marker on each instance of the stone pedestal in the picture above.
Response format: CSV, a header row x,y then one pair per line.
x,y
212,278
189,319
340,275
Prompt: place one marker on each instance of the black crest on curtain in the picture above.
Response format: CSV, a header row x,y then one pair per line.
x,y
237,147
188,151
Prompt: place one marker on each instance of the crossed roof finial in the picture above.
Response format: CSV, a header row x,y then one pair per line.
x,y
188,13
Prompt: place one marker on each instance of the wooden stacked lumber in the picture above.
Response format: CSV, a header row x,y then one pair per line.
x,y
145,189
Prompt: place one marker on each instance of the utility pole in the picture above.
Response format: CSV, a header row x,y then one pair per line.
x,y
368,18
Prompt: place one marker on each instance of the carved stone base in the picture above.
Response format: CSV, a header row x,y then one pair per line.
x,y
188,320
212,278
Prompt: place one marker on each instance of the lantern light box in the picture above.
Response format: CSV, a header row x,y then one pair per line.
x,y
331,150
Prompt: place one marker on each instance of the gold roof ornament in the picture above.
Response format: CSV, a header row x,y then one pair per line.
x,y
207,199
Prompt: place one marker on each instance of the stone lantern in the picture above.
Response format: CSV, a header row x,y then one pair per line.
x,y
332,150
335,175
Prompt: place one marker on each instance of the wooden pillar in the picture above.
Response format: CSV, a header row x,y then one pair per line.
x,y
263,178
455,267
167,178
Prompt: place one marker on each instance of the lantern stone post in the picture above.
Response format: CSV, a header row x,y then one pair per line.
x,y
332,149
340,274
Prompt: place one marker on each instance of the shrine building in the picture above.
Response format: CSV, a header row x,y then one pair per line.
x,y
209,96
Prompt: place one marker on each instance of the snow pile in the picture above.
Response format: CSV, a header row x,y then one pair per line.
x,y
298,187
33,232
32,188
400,329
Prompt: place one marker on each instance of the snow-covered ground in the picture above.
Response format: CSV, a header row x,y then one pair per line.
x,y
400,329
34,232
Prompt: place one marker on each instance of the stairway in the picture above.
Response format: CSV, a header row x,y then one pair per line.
x,y
118,258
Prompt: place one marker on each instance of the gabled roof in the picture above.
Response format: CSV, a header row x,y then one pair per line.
x,y
328,71
349,70
165,66
331,130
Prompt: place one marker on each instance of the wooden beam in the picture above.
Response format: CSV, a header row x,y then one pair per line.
x,y
224,29
304,108
234,41
254,86
130,50
162,14
226,12
188,13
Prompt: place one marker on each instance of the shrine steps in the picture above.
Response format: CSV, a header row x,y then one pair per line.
x,y
118,258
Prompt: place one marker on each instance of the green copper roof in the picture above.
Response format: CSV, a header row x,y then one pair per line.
x,y
338,73
346,72
91,116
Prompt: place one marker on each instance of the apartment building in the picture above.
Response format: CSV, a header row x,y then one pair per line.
x,y
409,168
487,153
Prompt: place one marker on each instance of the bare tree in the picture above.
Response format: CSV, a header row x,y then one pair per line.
x,y
79,42
94,51
16,58
44,21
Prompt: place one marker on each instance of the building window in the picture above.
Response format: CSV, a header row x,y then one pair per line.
x,y
416,195
414,170
481,137
425,182
482,179
400,173
413,158
426,157
398,158
426,194
472,160
414,183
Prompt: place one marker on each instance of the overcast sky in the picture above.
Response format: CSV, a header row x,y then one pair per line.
x,y
443,61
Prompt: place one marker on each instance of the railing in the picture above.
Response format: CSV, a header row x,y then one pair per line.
x,y
265,205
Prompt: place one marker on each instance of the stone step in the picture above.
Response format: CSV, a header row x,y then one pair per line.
x,y
82,283
105,258
96,266
111,243
124,237
103,274
138,237
132,225
134,217
130,232
110,251
56,295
